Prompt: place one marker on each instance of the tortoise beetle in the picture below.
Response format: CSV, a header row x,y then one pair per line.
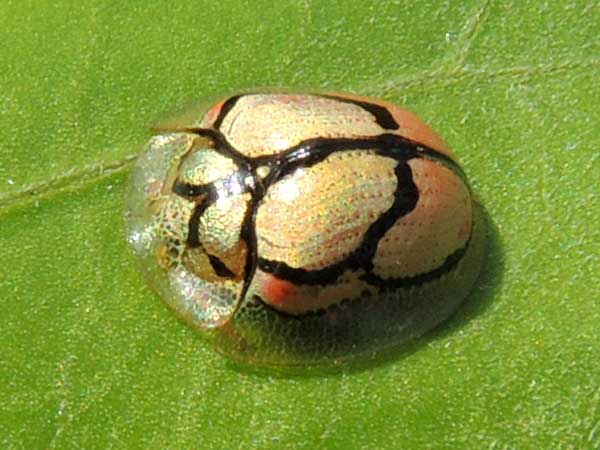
x,y
304,228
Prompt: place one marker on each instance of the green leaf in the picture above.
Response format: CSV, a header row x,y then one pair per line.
x,y
90,358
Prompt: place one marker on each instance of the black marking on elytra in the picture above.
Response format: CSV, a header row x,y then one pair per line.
x,y
445,161
405,200
298,275
312,151
193,240
306,154
382,115
392,142
248,235
447,266
190,191
406,197
219,143
383,285
227,106
211,192
219,267
194,222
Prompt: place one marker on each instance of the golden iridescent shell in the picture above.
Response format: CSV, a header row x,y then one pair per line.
x,y
304,228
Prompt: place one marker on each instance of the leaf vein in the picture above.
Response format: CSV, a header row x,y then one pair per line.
x,y
445,78
74,177
455,60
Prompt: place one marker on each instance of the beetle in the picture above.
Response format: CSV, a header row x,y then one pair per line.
x,y
304,227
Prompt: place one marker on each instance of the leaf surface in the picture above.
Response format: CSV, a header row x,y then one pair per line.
x,y
91,359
